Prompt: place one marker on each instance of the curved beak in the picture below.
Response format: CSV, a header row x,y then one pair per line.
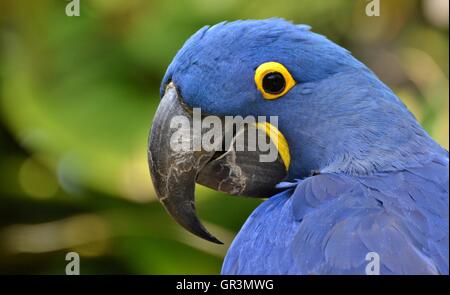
x,y
176,164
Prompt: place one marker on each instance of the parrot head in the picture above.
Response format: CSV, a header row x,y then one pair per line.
x,y
334,114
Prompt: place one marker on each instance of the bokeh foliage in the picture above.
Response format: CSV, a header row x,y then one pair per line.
x,y
77,96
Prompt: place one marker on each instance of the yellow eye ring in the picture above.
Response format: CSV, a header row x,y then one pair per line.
x,y
273,80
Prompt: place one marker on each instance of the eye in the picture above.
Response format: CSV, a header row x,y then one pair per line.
x,y
273,83
273,80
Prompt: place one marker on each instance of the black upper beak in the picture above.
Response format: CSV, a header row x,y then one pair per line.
x,y
174,172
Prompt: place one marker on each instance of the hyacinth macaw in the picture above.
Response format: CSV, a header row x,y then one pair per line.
x,y
359,174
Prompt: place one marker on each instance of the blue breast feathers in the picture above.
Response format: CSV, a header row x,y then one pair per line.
x,y
326,224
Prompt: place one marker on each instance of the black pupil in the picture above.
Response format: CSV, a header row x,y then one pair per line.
x,y
273,83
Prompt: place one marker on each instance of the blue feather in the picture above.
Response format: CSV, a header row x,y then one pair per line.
x,y
329,223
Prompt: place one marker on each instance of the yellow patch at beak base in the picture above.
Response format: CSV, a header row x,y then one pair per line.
x,y
279,140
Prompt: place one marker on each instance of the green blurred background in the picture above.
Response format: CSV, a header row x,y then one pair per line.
x,y
77,96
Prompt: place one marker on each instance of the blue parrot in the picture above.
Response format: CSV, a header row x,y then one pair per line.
x,y
358,178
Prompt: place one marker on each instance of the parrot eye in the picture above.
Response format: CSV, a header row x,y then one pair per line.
x,y
273,80
274,83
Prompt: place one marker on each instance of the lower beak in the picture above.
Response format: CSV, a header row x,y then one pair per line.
x,y
175,171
